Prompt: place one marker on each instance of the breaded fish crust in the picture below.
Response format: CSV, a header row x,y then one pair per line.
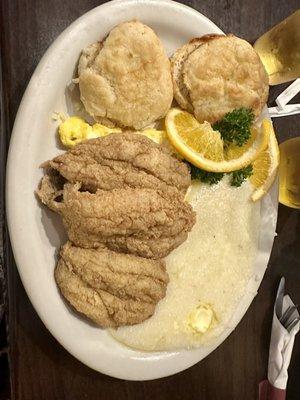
x,y
122,160
110,288
146,222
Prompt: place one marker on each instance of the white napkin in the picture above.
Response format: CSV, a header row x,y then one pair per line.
x,y
283,108
289,109
282,341
288,94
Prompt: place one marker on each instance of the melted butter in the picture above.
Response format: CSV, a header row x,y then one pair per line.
x,y
201,318
193,192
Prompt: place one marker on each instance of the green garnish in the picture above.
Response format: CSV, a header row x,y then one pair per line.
x,y
235,126
205,176
238,177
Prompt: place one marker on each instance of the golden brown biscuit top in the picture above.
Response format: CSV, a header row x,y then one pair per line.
x,y
223,74
127,78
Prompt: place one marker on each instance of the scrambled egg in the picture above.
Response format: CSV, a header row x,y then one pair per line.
x,y
75,130
155,135
102,130
201,318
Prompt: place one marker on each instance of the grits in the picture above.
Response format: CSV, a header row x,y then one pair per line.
x,y
212,267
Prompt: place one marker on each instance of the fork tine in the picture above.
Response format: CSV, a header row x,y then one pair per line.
x,y
292,317
283,316
279,300
292,324
287,315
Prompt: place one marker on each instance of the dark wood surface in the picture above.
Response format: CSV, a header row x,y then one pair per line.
x,y
40,368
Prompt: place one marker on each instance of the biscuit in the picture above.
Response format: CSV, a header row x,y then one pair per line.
x,y
177,61
126,78
223,74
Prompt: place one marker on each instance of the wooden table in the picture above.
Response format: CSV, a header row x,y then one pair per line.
x,y
40,368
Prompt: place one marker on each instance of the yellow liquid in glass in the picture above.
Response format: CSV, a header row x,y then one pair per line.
x,y
279,50
289,173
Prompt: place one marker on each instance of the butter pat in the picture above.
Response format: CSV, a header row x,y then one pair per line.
x,y
201,319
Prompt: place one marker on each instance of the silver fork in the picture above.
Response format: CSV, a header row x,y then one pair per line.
x,y
292,324
288,314
290,317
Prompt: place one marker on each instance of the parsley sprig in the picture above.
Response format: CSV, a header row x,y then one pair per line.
x,y
235,126
238,177
204,176
212,178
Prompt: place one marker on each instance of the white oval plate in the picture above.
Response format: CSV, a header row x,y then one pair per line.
x,y
36,233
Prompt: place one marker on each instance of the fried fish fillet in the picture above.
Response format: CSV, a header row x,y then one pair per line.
x,y
121,160
126,78
146,222
222,74
110,288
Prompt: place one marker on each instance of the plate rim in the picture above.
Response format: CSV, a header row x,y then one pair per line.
x,y
9,172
